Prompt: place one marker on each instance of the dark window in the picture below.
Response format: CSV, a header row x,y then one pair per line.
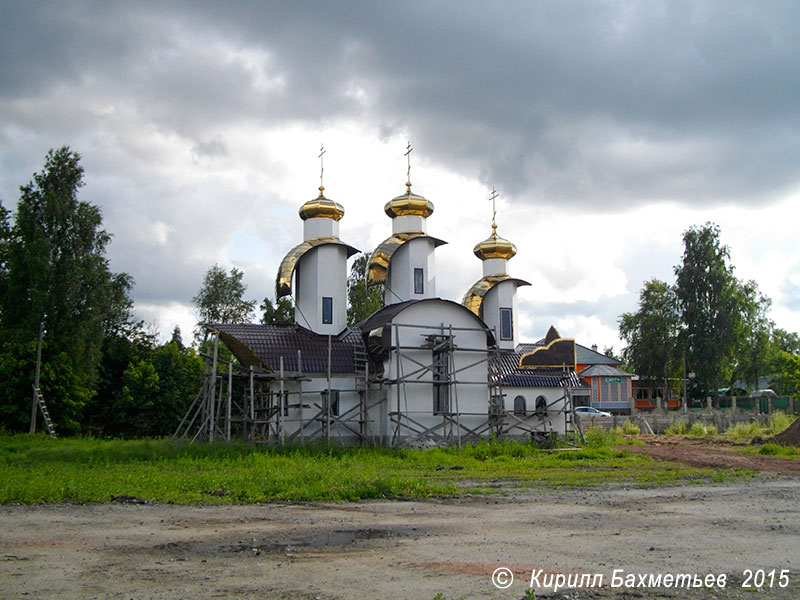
x,y
541,406
285,403
327,310
419,281
334,402
506,324
519,406
441,389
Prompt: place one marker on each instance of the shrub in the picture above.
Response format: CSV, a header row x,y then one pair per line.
x,y
677,428
630,428
597,437
697,429
743,431
778,421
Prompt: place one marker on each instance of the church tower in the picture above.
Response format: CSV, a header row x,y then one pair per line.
x,y
319,267
405,262
494,297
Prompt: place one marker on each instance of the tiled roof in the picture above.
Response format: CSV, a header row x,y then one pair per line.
x,y
513,376
587,356
603,371
583,355
249,341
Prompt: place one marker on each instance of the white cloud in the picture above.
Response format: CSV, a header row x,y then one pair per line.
x,y
609,129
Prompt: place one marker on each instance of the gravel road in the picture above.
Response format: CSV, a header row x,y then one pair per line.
x,y
415,550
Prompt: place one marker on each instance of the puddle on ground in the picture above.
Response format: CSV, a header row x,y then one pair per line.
x,y
298,541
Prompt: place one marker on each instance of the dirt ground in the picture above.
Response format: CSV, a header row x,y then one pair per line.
x,y
713,452
414,549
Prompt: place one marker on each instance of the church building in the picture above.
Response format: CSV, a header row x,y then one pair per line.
x,y
422,370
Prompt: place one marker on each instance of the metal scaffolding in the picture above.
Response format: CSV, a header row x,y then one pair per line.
x,y
277,407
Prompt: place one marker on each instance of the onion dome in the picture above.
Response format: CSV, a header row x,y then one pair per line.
x,y
321,208
495,247
409,204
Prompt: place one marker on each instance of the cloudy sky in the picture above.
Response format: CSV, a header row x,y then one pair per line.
x,y
608,128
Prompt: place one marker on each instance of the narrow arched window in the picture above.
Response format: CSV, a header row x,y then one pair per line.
x,y
519,406
541,405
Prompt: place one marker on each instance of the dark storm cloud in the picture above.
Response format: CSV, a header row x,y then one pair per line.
x,y
575,103
590,107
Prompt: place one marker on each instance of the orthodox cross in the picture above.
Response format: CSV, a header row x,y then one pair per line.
x,y
321,167
409,149
495,195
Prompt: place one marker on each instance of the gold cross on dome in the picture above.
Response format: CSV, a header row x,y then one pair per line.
x,y
321,167
495,195
409,150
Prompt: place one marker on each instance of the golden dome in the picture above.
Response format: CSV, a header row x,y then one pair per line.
x,y
321,207
495,247
409,204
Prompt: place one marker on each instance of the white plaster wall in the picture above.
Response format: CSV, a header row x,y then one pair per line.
x,y
320,227
409,223
554,419
311,400
322,271
503,295
469,395
416,253
494,266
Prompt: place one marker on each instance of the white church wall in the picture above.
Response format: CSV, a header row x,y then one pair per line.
x,y
553,418
415,254
502,295
314,391
409,223
322,272
320,227
415,398
494,266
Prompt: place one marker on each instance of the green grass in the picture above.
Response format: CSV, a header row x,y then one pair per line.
x,y
38,469
772,450
778,421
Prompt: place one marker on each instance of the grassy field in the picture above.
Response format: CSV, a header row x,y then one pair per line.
x,y
39,469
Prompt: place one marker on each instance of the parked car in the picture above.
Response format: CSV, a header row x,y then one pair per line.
x,y
763,394
588,411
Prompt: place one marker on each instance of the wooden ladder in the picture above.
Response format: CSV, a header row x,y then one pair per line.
x,y
48,422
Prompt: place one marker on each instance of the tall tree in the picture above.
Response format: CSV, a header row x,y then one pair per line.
x,y
786,341
280,313
56,271
221,299
708,301
754,348
652,332
177,338
362,299
5,238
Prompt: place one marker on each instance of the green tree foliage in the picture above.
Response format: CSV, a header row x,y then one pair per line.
x,y
177,338
5,238
155,391
651,332
709,302
120,349
54,268
787,369
362,298
786,341
221,299
280,313
754,351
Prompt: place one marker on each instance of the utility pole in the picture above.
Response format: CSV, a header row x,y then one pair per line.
x,y
685,395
